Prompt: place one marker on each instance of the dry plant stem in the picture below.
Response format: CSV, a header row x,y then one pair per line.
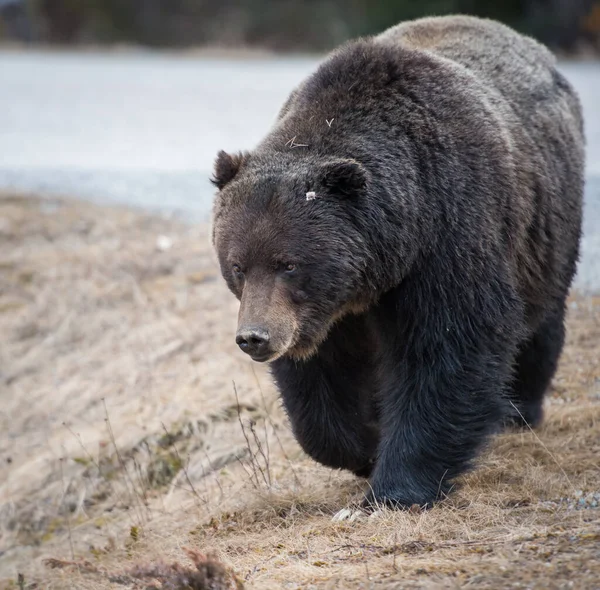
x,y
77,436
541,443
143,481
257,469
134,494
217,480
62,477
183,465
259,446
251,476
95,463
274,429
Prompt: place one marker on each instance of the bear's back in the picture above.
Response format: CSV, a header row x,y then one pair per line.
x,y
542,115
480,62
517,67
486,47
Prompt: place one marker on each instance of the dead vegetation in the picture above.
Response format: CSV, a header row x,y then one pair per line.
x,y
124,440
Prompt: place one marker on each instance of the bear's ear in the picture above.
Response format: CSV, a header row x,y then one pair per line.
x,y
346,178
226,168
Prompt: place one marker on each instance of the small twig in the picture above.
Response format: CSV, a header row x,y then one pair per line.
x,y
175,485
239,415
143,483
248,473
277,438
441,482
62,477
544,446
291,143
268,458
259,446
216,476
183,467
256,468
96,465
78,437
122,462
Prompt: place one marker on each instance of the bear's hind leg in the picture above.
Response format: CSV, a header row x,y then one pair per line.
x,y
536,365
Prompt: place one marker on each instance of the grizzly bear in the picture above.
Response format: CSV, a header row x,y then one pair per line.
x,y
402,243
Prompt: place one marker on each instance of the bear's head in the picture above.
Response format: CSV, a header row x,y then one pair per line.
x,y
289,247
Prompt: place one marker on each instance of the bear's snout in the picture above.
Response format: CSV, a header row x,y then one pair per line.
x,y
267,323
255,342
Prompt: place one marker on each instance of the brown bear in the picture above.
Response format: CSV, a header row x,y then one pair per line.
x,y
402,243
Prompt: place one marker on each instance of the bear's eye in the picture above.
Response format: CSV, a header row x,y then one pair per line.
x,y
289,268
237,269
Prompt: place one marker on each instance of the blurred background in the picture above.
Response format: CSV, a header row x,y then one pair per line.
x,y
285,25
128,101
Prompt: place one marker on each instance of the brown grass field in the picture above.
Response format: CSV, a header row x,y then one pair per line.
x,y
126,460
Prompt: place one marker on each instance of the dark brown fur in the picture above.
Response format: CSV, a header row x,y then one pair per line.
x,y
429,273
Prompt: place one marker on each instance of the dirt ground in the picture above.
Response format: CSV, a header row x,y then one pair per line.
x,y
140,449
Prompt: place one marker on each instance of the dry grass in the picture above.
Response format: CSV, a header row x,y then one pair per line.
x,y
121,441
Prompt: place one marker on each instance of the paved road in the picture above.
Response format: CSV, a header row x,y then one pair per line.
x,y
143,128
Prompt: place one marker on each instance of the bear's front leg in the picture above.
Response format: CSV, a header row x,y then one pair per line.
x,y
329,419
447,379
329,397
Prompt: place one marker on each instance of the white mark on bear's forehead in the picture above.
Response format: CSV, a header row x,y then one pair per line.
x,y
311,196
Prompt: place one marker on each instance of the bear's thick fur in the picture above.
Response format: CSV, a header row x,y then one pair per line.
x,y
402,243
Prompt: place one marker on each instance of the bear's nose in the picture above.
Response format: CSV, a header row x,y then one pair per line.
x,y
253,341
